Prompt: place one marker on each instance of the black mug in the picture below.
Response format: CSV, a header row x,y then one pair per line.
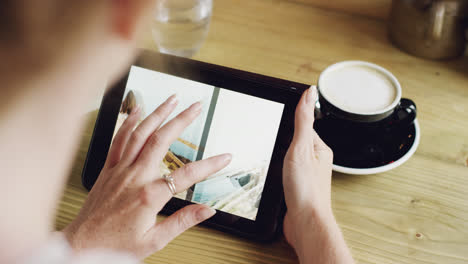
x,y
360,137
400,112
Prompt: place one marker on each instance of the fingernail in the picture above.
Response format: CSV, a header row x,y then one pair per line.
x,y
196,106
226,157
172,100
312,95
205,213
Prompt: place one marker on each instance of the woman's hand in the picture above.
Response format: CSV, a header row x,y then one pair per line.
x,y
120,212
307,168
309,224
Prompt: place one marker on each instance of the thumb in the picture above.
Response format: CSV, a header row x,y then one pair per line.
x,y
174,225
304,120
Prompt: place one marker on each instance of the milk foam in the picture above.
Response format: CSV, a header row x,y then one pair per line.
x,y
358,89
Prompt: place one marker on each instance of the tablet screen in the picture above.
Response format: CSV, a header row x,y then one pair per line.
x,y
230,122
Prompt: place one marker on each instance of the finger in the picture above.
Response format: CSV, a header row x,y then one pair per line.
x,y
121,138
304,119
188,175
195,172
163,233
158,143
141,134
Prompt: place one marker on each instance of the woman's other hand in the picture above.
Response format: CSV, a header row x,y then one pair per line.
x,y
307,168
309,224
120,212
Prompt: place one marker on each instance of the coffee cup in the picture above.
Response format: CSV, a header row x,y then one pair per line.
x,y
363,95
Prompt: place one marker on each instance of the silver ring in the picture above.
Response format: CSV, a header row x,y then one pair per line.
x,y
170,183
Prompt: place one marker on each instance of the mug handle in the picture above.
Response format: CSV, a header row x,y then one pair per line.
x,y
405,113
318,110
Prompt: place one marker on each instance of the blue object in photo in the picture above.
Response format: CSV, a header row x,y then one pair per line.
x,y
180,149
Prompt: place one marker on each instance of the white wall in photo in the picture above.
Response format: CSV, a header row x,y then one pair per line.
x,y
245,126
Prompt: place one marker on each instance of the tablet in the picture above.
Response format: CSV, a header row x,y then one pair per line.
x,y
246,114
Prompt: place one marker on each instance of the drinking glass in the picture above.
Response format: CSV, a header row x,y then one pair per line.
x,y
180,26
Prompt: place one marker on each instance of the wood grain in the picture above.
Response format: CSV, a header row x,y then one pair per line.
x,y
376,8
417,213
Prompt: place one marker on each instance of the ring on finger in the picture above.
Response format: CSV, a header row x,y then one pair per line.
x,y
170,183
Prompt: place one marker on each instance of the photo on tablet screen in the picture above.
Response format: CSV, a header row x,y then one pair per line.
x,y
230,122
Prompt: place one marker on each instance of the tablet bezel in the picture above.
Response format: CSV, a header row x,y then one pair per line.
x,y
271,209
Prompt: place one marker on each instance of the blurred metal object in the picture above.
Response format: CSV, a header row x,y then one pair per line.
x,y
433,29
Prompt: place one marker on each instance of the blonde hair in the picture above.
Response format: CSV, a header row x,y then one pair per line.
x,y
36,33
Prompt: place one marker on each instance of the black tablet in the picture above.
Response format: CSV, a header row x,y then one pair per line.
x,y
246,114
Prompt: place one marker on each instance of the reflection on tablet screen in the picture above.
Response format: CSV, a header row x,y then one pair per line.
x,y
230,122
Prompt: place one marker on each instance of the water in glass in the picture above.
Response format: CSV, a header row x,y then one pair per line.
x,y
180,26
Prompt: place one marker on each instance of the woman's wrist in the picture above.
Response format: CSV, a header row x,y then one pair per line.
x,y
69,233
318,239
322,241
322,214
308,221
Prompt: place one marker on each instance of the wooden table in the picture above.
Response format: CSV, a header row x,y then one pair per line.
x,y
417,213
